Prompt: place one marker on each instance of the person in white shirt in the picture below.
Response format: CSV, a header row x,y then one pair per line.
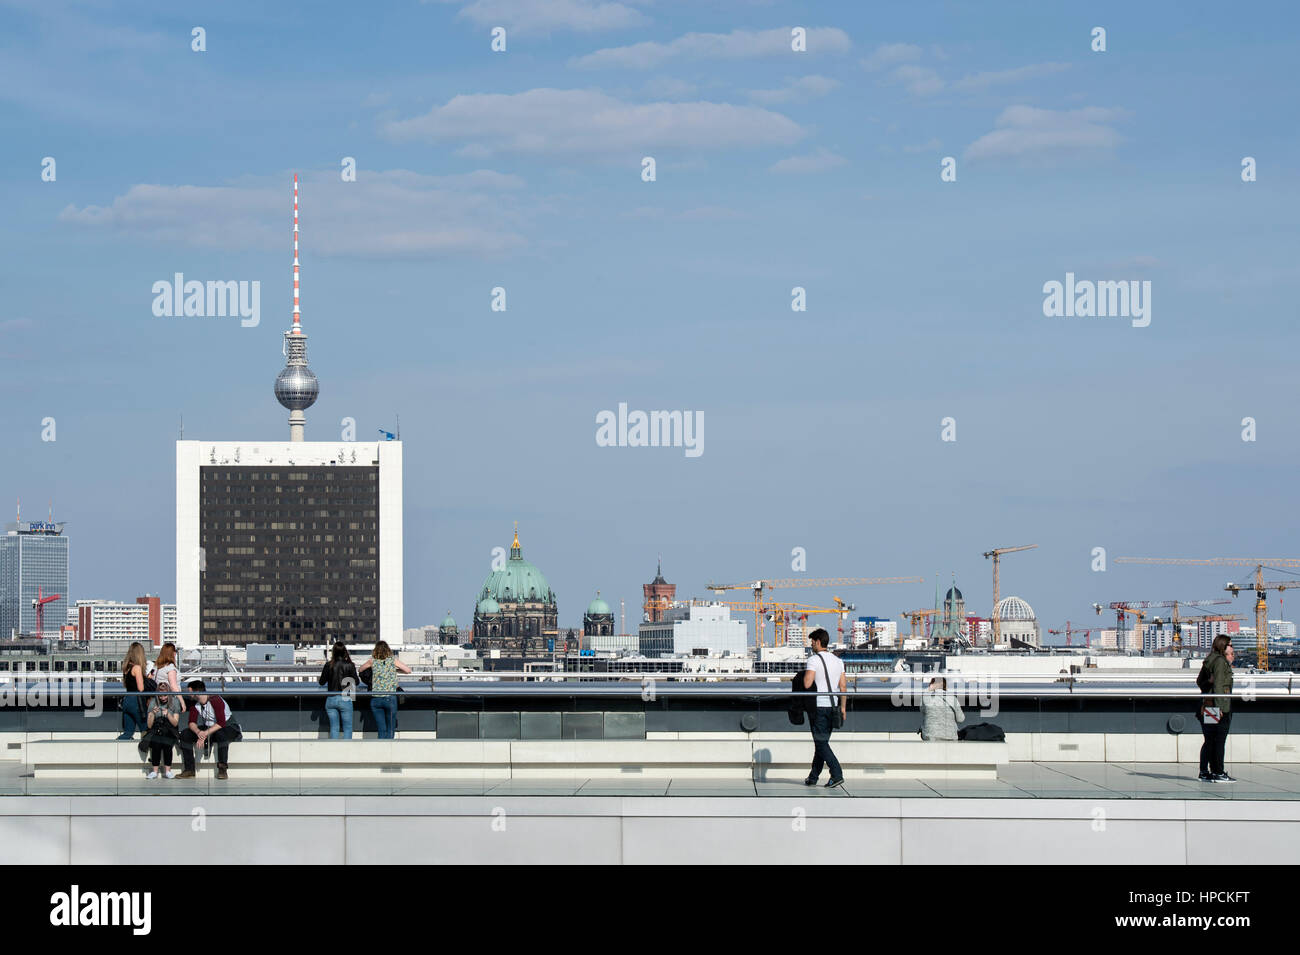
x,y
825,671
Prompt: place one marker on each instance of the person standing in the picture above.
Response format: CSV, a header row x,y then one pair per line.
x,y
940,711
133,665
825,671
339,677
1215,713
384,667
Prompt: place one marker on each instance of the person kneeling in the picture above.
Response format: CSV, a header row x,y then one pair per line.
x,y
210,723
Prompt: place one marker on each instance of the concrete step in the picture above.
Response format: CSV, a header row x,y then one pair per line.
x,y
537,759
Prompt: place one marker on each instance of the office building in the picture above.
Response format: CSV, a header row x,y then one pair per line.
x,y
33,566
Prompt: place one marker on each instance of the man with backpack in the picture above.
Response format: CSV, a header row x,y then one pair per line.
x,y
825,672
1215,712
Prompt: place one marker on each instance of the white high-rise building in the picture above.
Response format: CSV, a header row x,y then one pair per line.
x,y
698,627
288,542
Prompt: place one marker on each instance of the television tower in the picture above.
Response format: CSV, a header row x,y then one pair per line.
x,y
296,387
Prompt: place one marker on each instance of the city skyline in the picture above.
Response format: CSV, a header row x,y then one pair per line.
x,y
775,170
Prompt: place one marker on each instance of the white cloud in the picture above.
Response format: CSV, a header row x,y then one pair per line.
x,y
803,88
891,54
543,16
668,87
819,161
392,214
1025,131
738,44
925,147
696,214
586,122
919,80
981,81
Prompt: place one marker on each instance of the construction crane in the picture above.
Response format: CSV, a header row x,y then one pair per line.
x,y
1260,586
780,613
1177,642
1069,632
759,588
846,609
996,554
39,602
916,617
1133,608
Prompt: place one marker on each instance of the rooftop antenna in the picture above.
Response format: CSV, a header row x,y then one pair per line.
x,y
182,427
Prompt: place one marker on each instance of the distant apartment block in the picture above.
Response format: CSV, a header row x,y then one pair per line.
x,y
148,620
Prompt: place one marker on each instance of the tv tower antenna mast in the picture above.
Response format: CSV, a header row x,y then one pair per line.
x,y
296,387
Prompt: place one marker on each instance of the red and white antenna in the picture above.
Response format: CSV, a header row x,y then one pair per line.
x,y
297,312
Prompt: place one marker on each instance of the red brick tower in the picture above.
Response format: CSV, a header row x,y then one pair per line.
x,y
658,594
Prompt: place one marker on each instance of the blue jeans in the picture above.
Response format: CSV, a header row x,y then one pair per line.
x,y
339,710
132,716
821,733
385,710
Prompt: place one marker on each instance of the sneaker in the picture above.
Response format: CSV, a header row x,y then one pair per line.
x,y
1223,778
169,775
810,781
153,774
186,774
835,782
1206,778
221,773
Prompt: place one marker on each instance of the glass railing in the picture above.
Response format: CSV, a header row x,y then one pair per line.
x,y
1066,736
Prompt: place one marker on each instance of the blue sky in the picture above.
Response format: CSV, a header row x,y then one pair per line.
x,y
775,169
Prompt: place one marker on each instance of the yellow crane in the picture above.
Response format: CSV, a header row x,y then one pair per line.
x,y
782,614
916,617
759,588
996,553
1260,586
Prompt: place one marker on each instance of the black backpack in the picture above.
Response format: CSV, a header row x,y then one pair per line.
x,y
1205,679
799,705
983,732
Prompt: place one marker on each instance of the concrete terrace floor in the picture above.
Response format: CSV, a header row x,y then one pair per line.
x,y
1019,780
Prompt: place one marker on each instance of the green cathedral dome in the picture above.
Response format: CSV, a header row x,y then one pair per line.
x,y
598,606
517,582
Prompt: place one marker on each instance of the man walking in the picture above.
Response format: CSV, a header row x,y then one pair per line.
x,y
826,672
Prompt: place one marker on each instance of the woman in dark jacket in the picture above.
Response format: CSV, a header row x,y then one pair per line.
x,y
339,676
1216,711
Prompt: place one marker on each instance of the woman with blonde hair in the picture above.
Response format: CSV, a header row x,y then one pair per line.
x,y
384,667
133,665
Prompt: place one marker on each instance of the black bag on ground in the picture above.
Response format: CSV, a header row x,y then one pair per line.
x,y
983,733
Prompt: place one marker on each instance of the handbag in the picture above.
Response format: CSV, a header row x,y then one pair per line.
x,y
837,718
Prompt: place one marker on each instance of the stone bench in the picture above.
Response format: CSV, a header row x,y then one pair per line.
x,y
533,759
